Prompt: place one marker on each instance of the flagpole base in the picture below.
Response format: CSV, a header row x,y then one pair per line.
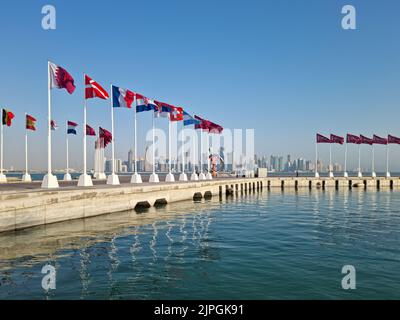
x,y
136,179
183,177
360,175
346,175
100,176
331,175
67,177
209,176
3,178
202,176
154,178
26,178
85,181
113,180
194,177
50,182
373,174
170,177
317,175
388,175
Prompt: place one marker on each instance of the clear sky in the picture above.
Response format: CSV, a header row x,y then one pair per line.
x,y
285,68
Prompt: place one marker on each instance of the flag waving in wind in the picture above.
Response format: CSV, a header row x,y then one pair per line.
x,y
323,139
94,90
90,131
122,98
106,135
176,114
337,139
163,109
365,140
30,123
393,139
351,138
188,120
71,127
7,118
378,140
60,78
53,125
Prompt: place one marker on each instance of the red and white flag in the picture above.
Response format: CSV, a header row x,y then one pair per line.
x,y
94,90
60,78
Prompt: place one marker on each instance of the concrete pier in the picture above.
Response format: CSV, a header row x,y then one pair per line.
x,y
22,208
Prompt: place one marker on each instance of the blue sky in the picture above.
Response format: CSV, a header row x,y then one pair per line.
x,y
286,69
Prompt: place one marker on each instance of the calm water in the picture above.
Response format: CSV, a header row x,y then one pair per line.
x,y
271,245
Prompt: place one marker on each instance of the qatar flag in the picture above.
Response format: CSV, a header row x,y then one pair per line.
x,y
351,138
337,139
60,78
105,135
393,139
323,139
378,140
365,140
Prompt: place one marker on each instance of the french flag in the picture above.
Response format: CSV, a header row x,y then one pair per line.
x,y
72,127
122,98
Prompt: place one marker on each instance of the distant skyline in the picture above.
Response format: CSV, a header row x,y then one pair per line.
x,y
286,69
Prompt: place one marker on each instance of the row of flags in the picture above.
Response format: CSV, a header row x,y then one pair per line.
x,y
353,139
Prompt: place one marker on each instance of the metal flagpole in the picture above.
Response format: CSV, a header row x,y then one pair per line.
x,y
49,181
26,177
209,175
113,178
316,160
136,178
2,176
170,177
183,176
373,162
201,174
345,162
84,180
387,161
154,177
359,161
330,161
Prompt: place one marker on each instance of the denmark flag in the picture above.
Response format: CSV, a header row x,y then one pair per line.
x,y
94,90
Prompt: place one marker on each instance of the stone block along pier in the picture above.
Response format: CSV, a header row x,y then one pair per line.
x,y
22,208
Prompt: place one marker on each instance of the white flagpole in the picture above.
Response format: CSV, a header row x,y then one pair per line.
x,y
194,176
154,177
359,161
26,177
113,179
346,175
84,180
201,174
316,160
209,175
49,181
330,161
170,177
387,161
373,162
2,175
183,176
136,178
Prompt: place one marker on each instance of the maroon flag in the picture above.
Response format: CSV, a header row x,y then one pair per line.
x,y
105,135
365,140
215,128
379,140
90,131
60,78
322,139
337,139
351,138
393,140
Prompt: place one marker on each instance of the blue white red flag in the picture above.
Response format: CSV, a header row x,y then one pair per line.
x,y
163,109
144,104
122,98
71,127
188,120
